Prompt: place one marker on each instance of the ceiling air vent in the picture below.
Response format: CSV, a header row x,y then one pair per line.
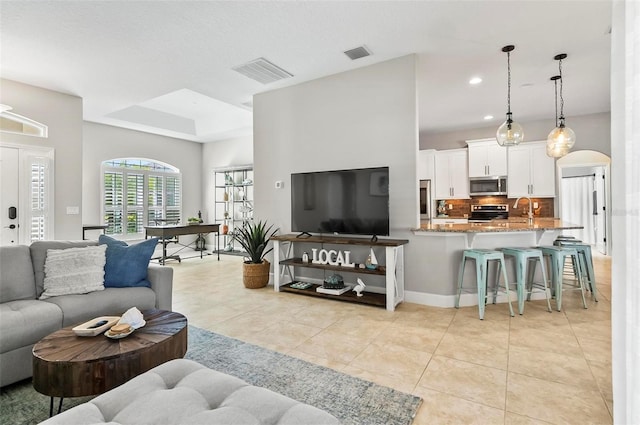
x,y
357,53
262,71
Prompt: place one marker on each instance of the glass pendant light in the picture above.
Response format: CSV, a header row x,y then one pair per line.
x,y
562,138
510,133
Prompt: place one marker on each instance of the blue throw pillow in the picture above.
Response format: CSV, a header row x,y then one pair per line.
x,y
126,265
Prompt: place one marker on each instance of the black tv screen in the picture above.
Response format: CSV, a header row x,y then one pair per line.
x,y
343,201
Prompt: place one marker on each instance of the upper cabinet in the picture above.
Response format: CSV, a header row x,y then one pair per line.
x,y
426,164
451,174
487,158
531,172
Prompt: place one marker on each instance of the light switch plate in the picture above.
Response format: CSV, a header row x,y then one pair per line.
x,y
73,210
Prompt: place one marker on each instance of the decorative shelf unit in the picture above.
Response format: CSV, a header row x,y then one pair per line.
x,y
233,203
393,270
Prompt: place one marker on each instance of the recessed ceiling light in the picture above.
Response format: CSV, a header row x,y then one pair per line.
x,y
488,117
475,80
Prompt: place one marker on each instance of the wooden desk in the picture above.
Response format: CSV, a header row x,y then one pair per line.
x,y
166,232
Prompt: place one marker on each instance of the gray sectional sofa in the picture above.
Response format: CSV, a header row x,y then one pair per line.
x,y
24,319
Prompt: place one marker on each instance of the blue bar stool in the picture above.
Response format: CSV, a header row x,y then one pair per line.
x,y
482,258
586,261
523,257
558,255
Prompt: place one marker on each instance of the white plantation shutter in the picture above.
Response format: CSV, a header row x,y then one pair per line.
x,y
113,201
135,203
152,191
155,198
173,197
38,199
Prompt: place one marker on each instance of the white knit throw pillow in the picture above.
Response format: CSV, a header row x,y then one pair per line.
x,y
74,271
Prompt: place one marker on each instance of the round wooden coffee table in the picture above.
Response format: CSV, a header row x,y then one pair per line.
x,y
67,365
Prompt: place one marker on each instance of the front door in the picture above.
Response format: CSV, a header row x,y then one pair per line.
x,y
26,195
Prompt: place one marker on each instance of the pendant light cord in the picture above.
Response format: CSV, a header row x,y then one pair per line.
x,y
508,82
555,83
561,98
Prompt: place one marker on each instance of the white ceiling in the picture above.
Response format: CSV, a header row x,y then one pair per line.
x,y
165,67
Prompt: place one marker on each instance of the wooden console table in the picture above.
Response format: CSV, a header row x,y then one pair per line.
x,y
168,232
393,270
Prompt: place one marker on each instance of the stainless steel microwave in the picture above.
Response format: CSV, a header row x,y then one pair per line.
x,y
481,186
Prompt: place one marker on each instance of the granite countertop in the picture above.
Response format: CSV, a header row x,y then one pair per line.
x,y
509,225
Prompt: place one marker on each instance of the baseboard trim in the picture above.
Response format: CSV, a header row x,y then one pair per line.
x,y
466,300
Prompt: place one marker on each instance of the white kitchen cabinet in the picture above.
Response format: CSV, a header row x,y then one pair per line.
x,y
426,164
530,171
451,174
487,158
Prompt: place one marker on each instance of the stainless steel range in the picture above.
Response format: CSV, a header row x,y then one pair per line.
x,y
488,212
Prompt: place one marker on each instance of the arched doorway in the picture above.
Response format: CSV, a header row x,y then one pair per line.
x,y
584,196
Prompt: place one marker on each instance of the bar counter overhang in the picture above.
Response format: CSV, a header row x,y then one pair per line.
x,y
541,227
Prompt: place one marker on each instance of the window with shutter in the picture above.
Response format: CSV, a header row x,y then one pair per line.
x,y
152,191
38,208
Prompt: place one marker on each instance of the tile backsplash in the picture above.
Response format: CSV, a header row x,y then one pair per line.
x,y
460,207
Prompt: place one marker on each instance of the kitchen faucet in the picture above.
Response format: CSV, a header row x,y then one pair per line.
x,y
530,214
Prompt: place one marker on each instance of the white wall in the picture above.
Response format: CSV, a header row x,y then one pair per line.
x,y
593,132
225,153
62,113
356,119
625,184
102,142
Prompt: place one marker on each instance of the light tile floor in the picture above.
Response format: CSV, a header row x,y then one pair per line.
x,y
538,368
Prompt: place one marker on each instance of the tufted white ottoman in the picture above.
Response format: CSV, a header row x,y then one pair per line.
x,y
185,392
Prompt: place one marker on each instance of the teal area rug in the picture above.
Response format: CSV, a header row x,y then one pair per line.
x,y
352,400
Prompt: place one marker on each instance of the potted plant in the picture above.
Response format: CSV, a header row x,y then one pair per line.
x,y
254,237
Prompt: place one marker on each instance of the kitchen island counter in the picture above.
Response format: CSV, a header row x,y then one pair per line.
x,y
441,247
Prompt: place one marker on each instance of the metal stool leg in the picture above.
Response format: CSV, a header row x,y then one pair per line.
x,y
580,280
460,279
545,280
587,266
558,267
506,284
481,278
521,265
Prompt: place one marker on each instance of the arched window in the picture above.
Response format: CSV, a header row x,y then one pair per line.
x,y
139,192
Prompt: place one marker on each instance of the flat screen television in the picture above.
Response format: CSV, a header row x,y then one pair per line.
x,y
354,202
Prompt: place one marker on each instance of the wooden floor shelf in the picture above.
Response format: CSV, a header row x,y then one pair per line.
x,y
393,271
369,298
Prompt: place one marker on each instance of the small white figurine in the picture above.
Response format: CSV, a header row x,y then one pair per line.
x,y
359,287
